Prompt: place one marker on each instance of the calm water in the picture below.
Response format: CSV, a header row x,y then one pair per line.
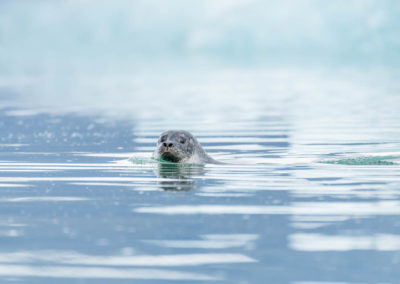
x,y
81,198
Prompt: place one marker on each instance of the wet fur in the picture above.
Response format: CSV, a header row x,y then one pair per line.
x,y
188,152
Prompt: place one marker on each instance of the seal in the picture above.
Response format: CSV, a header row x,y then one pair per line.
x,y
180,146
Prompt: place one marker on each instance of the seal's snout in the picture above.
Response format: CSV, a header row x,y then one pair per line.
x,y
168,145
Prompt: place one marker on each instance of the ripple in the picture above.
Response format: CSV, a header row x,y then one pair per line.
x,y
305,208
45,199
319,242
100,273
210,242
64,257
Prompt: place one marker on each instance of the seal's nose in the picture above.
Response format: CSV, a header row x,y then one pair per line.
x,y
165,144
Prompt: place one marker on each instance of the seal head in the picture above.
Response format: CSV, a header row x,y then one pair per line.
x,y
180,146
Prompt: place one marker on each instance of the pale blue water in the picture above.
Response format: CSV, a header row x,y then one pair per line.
x,y
302,107
81,198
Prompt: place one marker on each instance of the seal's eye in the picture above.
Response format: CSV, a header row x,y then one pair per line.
x,y
182,140
163,138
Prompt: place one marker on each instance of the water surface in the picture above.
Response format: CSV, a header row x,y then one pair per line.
x,y
81,198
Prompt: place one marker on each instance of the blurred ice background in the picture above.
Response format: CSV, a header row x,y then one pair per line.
x,y
54,36
93,54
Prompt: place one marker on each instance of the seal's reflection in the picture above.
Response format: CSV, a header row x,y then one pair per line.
x,y
178,176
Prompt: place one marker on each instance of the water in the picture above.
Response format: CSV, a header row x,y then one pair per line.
x,y
299,99
81,198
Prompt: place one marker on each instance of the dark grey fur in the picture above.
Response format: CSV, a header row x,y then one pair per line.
x,y
180,146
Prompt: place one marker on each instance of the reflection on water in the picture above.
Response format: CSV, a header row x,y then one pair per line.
x,y
178,176
108,274
317,242
211,242
304,208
